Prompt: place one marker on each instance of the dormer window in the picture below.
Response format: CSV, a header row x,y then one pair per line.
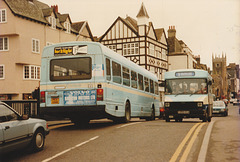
x,y
67,26
52,21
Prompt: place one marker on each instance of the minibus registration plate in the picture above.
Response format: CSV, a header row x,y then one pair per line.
x,y
183,112
80,97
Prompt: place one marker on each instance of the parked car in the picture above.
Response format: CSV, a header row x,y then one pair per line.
x,y
19,131
236,102
231,100
219,107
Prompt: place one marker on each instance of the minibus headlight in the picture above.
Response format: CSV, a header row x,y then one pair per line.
x,y
167,104
199,104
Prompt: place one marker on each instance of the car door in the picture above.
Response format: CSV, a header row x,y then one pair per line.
x,y
12,129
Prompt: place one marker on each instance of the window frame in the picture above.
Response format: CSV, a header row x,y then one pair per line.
x,y
4,43
3,72
33,72
126,76
1,15
114,72
53,21
35,45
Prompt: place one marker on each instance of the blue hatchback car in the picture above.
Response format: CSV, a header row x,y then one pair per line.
x,y
19,131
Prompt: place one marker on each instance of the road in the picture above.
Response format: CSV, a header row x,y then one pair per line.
x,y
140,140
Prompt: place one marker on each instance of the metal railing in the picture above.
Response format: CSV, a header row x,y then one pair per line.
x,y
29,107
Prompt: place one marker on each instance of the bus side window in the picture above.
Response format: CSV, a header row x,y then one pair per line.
x,y
117,77
140,82
108,69
146,84
151,86
126,76
156,88
134,79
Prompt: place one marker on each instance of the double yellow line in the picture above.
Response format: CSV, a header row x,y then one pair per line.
x,y
196,129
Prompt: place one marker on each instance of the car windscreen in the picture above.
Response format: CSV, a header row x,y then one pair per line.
x,y
218,104
71,69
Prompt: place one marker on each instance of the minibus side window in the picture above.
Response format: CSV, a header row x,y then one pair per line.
x,y
108,69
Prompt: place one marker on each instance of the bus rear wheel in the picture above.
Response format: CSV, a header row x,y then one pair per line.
x,y
127,116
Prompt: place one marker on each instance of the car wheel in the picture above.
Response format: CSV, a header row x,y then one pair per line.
x,y
38,140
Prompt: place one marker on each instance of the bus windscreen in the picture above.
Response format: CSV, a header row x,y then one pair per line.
x,y
186,86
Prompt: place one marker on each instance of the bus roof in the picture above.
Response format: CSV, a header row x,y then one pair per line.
x,y
98,48
187,73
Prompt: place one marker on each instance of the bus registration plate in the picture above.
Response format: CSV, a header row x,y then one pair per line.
x,y
55,100
183,112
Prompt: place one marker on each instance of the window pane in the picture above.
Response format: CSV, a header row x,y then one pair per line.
x,y
5,43
71,69
117,77
1,71
108,69
126,76
3,15
37,46
26,72
151,86
146,83
38,72
1,43
140,82
32,72
156,88
134,79
33,45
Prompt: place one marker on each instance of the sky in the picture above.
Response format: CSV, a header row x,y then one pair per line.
x,y
208,27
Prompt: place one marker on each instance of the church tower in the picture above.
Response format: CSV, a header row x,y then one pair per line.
x,y
219,75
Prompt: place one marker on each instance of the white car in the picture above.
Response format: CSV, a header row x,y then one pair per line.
x,y
18,131
236,102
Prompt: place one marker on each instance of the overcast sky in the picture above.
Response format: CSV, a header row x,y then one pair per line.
x,y
206,26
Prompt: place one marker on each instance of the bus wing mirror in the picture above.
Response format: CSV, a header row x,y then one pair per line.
x,y
210,82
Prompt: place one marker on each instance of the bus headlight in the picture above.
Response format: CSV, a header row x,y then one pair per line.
x,y
167,104
199,104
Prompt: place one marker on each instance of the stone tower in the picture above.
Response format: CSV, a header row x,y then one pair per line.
x,y
219,75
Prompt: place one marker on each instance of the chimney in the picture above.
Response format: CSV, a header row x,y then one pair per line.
x,y
171,31
55,8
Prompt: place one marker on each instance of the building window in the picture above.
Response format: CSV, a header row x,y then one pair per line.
x,y
2,71
164,54
67,26
35,46
4,45
151,49
113,47
130,49
52,21
3,15
31,72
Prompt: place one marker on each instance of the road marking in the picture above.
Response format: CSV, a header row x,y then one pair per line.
x,y
190,144
180,147
125,125
204,147
61,125
67,150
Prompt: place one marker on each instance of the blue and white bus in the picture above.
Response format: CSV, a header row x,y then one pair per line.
x,y
188,94
86,80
